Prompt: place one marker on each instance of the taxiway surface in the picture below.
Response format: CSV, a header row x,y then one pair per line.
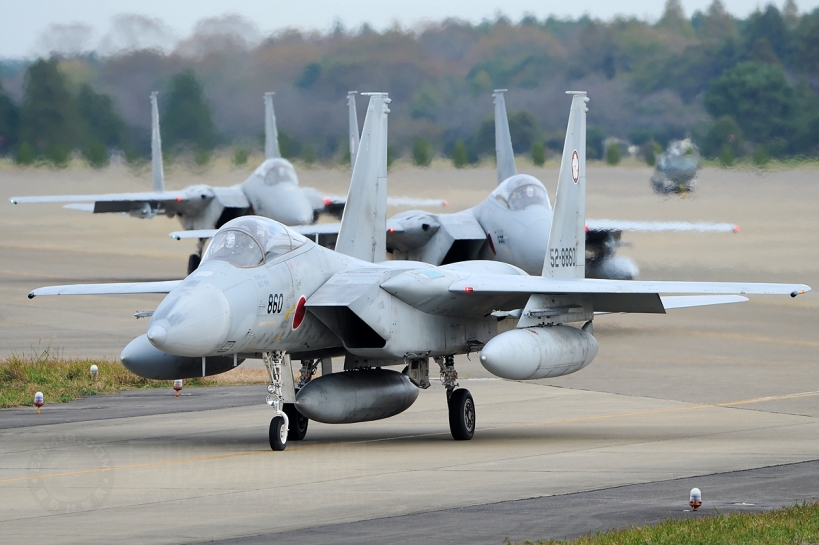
x,y
668,400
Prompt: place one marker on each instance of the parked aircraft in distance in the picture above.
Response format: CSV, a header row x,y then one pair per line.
x,y
500,227
272,191
264,290
676,169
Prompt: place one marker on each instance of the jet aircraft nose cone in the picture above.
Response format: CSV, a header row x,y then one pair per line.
x,y
192,321
157,335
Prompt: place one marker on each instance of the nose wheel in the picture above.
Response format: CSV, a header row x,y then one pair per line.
x,y
278,433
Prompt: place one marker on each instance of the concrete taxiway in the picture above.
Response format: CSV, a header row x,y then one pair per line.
x,y
702,397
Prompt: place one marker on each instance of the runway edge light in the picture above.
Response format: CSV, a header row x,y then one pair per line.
x,y
38,401
177,385
695,499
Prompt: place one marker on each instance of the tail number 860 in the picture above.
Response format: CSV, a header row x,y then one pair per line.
x,y
563,257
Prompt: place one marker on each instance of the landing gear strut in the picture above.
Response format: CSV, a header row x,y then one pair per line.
x,y
195,259
299,422
459,400
280,423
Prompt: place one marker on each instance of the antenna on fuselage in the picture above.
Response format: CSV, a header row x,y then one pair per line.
x,y
363,231
157,172
504,154
353,124
271,133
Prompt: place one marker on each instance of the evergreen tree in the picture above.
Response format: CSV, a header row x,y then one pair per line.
x,y
421,153
187,120
460,155
758,97
48,120
9,123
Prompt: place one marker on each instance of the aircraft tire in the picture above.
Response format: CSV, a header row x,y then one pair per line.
x,y
461,415
298,423
278,436
193,262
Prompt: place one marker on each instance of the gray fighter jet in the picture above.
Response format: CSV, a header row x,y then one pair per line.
x,y
263,290
676,169
500,227
272,191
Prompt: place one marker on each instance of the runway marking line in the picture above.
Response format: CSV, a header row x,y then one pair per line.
x,y
327,445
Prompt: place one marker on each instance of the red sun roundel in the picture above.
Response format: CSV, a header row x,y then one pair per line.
x,y
575,166
298,316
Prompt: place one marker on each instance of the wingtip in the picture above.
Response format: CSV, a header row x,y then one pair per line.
x,y
736,229
13,201
31,295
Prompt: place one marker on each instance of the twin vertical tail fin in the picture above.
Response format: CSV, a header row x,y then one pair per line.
x,y
157,172
504,155
566,256
363,231
271,133
353,123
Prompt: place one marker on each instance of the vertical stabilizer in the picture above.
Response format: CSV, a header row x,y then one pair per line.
x,y
363,232
566,256
353,125
503,140
156,148
271,133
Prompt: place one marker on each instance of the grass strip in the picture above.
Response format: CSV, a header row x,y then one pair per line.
x,y
62,380
797,525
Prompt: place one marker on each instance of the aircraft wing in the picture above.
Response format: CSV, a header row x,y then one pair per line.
x,y
121,202
654,226
457,293
107,289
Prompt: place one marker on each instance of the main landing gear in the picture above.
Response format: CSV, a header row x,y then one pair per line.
x,y
298,422
459,400
195,259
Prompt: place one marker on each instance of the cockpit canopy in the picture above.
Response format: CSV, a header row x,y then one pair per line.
x,y
250,241
521,191
276,171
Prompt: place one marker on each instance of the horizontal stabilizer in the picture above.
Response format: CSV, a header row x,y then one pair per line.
x,y
107,289
82,207
671,302
395,201
193,233
657,226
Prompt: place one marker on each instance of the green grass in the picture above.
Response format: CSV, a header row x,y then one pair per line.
x,y
62,380
797,525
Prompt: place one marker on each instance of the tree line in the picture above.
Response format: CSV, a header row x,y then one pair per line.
x,y
737,87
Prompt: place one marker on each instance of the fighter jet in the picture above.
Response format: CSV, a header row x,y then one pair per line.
x,y
264,290
500,227
272,191
676,169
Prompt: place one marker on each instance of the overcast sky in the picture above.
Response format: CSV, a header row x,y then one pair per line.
x,y
27,27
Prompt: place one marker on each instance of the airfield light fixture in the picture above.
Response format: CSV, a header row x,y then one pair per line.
x,y
94,371
38,401
177,385
695,499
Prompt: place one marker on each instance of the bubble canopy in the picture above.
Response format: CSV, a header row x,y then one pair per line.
x,y
250,241
521,191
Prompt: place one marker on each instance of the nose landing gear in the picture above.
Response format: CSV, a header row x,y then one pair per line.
x,y
459,401
280,423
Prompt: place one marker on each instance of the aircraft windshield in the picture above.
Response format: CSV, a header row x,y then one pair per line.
x,y
276,171
250,241
521,191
